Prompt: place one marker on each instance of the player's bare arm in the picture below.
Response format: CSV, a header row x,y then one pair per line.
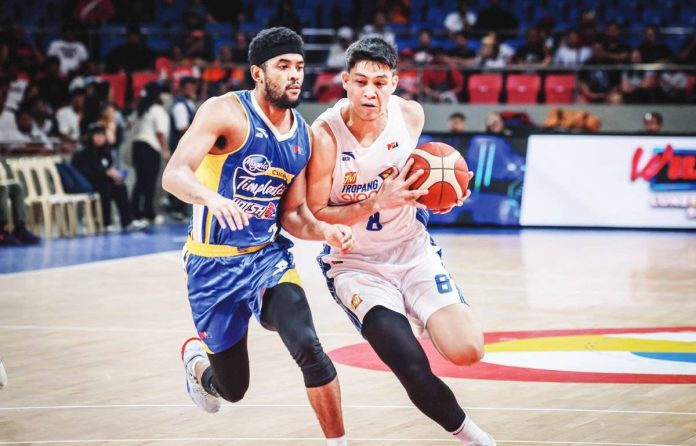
x,y
220,119
394,192
296,218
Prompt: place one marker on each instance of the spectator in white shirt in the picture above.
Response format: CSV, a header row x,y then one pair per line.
x,y
150,146
69,118
570,53
70,52
27,132
8,126
337,51
460,20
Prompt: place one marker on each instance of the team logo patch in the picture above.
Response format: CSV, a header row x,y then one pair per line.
x,y
386,174
350,178
297,150
626,355
392,145
255,164
356,301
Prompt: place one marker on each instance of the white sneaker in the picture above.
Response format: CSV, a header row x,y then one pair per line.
x,y
489,442
138,225
190,351
3,375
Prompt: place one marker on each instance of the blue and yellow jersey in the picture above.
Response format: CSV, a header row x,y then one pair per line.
x,y
255,176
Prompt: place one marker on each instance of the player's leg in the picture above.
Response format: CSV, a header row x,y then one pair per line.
x,y
456,334
285,309
390,335
432,296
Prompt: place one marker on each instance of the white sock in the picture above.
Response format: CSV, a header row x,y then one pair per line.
x,y
470,433
340,441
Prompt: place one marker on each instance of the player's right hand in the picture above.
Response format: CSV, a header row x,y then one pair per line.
x,y
395,191
227,212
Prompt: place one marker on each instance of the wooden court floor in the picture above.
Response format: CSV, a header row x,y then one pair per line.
x,y
92,351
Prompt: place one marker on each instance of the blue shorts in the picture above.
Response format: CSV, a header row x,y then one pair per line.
x,y
224,291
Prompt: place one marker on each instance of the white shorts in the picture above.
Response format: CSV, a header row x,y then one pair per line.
x,y
409,279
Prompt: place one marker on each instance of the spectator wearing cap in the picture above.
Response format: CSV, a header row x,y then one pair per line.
x,y
457,122
150,147
337,51
652,123
96,163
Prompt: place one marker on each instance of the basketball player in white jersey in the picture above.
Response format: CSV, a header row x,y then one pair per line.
x,y
358,177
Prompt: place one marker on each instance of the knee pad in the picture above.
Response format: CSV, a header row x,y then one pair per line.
x,y
288,311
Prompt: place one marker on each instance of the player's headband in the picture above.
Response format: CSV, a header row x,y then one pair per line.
x,y
270,53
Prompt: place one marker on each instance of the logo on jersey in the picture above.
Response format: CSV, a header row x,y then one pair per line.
x,y
260,211
356,301
347,156
350,178
297,150
393,145
261,133
386,174
256,164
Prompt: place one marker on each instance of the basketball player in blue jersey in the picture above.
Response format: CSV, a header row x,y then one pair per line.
x,y
358,176
242,166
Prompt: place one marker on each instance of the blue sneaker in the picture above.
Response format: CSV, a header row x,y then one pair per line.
x,y
190,351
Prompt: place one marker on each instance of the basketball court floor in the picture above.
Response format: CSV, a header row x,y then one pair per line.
x,y
591,340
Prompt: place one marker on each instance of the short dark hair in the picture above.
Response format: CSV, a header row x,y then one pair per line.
x,y
373,49
270,38
459,115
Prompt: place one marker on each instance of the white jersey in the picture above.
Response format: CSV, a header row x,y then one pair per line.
x,y
359,173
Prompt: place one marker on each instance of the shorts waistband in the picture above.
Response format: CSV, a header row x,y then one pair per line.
x,y
207,250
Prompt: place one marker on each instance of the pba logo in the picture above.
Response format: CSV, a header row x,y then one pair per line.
x,y
387,173
350,178
393,145
668,170
625,355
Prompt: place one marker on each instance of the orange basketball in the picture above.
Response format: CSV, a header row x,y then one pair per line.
x,y
445,175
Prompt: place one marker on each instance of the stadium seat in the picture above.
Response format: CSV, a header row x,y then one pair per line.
x,y
142,78
523,88
560,88
485,88
118,87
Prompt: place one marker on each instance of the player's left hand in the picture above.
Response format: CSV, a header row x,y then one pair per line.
x,y
459,203
339,236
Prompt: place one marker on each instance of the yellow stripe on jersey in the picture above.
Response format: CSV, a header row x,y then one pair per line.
x,y
209,174
291,276
248,121
208,250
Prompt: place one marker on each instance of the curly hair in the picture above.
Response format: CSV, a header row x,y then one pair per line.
x,y
266,41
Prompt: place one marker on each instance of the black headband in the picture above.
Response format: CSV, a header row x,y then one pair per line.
x,y
270,53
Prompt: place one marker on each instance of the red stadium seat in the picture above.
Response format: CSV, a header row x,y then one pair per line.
x,y
485,88
140,79
560,88
118,87
523,88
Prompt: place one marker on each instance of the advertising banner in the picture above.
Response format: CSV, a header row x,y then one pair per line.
x,y
610,181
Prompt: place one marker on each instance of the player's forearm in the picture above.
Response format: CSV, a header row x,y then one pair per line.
x,y
301,223
182,183
348,214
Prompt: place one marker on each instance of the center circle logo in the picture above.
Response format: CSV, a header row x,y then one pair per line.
x,y
614,355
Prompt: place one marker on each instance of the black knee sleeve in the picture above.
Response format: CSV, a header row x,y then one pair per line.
x,y
392,338
285,309
228,375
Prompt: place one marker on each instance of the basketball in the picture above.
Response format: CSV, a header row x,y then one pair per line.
x,y
445,175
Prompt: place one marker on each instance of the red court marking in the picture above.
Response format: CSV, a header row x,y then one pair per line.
x,y
362,356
